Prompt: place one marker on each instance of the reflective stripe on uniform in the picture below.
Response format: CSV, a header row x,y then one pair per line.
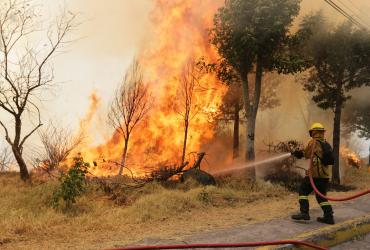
x,y
302,197
324,204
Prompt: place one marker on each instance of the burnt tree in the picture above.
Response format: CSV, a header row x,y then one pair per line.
x,y
187,106
130,105
25,70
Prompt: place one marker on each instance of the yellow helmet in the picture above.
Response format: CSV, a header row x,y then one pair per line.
x,y
316,127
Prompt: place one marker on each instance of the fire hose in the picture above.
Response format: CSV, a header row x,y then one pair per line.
x,y
324,196
225,245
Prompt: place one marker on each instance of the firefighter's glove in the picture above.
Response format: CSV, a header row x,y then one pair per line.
x,y
298,154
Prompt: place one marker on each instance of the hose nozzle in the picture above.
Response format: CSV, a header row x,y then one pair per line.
x,y
297,154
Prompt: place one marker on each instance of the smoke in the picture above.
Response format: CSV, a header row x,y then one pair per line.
x,y
359,101
292,119
163,34
297,111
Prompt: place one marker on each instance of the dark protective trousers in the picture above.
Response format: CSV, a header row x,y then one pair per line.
x,y
306,189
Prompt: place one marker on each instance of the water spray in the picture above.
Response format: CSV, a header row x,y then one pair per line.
x,y
252,164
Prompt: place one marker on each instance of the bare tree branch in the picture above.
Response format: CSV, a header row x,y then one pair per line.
x,y
6,132
25,69
58,143
129,106
188,108
6,159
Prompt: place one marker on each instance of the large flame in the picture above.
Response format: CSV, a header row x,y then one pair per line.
x,y
180,31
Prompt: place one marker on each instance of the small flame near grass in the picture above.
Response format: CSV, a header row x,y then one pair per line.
x,y
351,158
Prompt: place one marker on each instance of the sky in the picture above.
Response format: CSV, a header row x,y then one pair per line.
x,y
109,36
111,33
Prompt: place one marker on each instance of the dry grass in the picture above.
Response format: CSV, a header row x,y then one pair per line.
x,y
360,178
28,221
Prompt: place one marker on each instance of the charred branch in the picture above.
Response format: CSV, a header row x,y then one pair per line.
x,y
164,173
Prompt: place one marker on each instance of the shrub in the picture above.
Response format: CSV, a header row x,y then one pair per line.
x,y
204,196
288,179
72,184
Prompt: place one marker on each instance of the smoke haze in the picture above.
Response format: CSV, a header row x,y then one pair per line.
x,y
112,32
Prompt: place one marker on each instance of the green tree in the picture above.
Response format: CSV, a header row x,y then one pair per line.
x,y
357,119
362,123
341,62
253,37
231,108
72,184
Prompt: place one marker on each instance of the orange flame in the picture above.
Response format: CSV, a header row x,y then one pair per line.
x,y
180,31
352,159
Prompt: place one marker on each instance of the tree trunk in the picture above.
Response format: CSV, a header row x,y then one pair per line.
x,y
252,114
336,139
21,163
251,126
185,141
247,108
199,160
124,155
236,130
17,150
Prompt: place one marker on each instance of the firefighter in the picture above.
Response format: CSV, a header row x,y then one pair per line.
x,y
320,174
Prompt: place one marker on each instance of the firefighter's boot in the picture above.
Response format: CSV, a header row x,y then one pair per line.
x,y
304,208
327,219
301,216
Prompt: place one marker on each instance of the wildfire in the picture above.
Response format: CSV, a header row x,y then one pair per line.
x,y
352,159
180,31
